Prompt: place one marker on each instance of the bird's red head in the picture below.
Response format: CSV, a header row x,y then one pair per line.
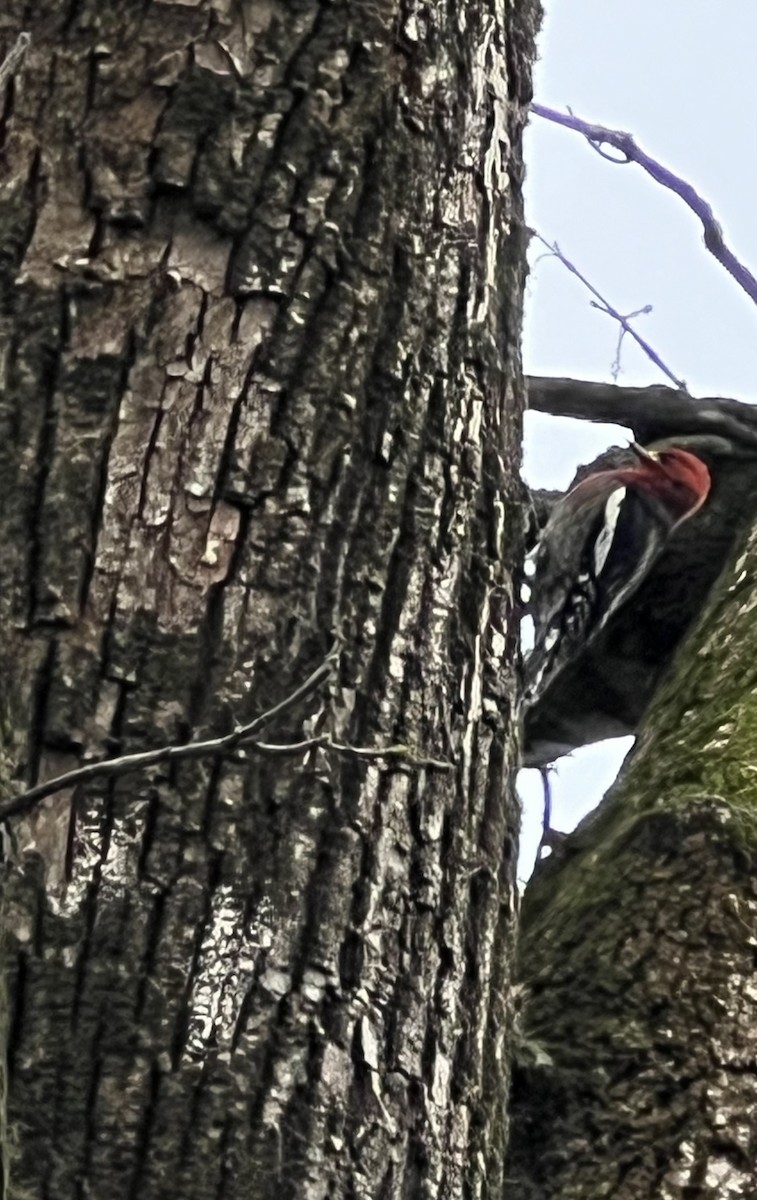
x,y
680,479
674,476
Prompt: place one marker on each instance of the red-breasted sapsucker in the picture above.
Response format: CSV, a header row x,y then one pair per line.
x,y
598,545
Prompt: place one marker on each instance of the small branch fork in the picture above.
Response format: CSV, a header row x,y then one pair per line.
x,y
606,307
598,136
242,739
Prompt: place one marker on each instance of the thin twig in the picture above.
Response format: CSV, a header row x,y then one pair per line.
x,y
551,839
616,368
598,136
110,767
605,306
242,737
397,752
14,56
546,823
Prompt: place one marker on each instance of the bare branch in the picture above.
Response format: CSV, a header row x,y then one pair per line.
x,y
651,412
110,767
605,306
242,737
598,136
14,56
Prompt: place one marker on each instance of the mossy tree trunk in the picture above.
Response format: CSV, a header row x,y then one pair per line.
x,y
261,274
639,1079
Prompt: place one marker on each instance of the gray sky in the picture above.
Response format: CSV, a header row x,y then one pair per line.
x,y
681,77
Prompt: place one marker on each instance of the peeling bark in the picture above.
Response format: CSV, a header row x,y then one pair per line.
x,y
261,273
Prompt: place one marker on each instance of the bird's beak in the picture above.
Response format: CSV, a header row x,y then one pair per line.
x,y
640,452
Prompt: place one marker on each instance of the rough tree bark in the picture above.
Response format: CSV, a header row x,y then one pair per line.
x,y
261,271
639,1075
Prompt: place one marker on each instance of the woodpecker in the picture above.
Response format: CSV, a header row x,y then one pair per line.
x,y
597,547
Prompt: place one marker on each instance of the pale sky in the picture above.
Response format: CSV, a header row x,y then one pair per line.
x,y
681,77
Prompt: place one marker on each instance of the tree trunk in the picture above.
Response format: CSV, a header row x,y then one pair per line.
x,y
639,1078
261,271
